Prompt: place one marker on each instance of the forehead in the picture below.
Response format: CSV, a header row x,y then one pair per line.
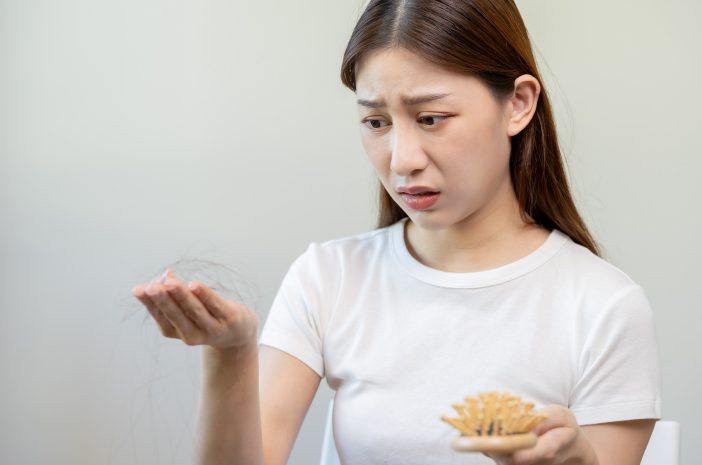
x,y
389,73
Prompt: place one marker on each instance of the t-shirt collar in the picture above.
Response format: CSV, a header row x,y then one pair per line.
x,y
476,279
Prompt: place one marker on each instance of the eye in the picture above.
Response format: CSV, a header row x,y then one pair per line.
x,y
375,123
431,120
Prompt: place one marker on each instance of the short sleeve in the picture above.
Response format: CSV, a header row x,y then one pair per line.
x,y
619,375
301,309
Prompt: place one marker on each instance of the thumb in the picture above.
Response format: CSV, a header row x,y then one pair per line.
x,y
557,417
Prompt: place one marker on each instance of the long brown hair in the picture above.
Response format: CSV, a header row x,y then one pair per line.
x,y
486,39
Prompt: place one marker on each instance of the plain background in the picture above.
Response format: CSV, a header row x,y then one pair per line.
x,y
136,133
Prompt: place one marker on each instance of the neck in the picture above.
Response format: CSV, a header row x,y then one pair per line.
x,y
493,236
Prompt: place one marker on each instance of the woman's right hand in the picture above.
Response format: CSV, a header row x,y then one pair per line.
x,y
196,314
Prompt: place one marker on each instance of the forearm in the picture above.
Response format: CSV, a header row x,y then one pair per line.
x,y
228,425
585,451
620,443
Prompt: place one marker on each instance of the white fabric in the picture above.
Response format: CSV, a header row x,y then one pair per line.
x,y
329,454
400,342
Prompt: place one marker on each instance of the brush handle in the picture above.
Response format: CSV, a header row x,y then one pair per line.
x,y
505,444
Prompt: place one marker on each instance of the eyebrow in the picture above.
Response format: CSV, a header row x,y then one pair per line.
x,y
406,101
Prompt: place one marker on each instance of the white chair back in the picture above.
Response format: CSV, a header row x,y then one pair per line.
x,y
663,448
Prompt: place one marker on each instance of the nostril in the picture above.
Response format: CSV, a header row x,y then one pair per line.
x,y
405,163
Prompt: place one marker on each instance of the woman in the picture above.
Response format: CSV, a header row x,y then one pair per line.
x,y
481,276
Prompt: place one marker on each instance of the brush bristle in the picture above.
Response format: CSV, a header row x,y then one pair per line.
x,y
494,415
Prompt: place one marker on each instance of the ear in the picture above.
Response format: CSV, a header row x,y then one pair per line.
x,y
521,106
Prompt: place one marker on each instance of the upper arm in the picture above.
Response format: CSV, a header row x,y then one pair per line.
x,y
619,377
620,442
287,387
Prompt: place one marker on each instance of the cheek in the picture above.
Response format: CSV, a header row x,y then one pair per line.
x,y
478,153
377,152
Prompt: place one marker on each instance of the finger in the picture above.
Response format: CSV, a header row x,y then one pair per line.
x,y
173,312
215,303
191,305
167,274
167,329
557,430
500,459
146,300
139,291
557,416
545,450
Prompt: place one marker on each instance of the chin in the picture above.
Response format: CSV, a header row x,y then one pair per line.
x,y
430,220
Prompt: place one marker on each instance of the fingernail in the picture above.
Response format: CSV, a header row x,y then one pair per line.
x,y
169,284
193,287
150,289
163,277
134,289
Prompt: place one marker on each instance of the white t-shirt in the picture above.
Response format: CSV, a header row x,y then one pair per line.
x,y
400,342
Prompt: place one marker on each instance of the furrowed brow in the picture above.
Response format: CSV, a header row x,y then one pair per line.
x,y
406,101
371,103
409,101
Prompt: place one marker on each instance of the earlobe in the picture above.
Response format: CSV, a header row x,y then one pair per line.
x,y
524,101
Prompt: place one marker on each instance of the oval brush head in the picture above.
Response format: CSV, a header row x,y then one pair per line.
x,y
505,444
495,423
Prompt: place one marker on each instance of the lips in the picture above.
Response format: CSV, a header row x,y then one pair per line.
x,y
419,197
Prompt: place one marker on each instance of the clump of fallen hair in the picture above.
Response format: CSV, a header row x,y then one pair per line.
x,y
223,279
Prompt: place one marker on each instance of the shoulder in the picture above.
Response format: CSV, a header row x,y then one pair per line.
x,y
579,265
598,292
356,249
316,276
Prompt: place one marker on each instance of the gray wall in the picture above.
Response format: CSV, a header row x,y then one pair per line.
x,y
140,132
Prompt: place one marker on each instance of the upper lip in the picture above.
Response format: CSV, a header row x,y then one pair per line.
x,y
415,189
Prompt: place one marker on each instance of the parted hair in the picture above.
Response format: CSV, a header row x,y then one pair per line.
x,y
486,39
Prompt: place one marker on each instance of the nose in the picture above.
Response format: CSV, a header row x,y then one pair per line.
x,y
407,153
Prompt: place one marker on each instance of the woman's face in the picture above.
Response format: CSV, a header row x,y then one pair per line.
x,y
439,141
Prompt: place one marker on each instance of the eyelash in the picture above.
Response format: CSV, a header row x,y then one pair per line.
x,y
368,120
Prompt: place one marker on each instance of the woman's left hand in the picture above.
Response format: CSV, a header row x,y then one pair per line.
x,y
561,441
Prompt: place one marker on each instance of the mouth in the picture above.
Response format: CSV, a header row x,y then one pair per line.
x,y
419,197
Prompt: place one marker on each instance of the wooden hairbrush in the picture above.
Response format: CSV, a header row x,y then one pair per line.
x,y
496,423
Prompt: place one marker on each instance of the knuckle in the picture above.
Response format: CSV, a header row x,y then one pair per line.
x,y
191,312
215,305
216,301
